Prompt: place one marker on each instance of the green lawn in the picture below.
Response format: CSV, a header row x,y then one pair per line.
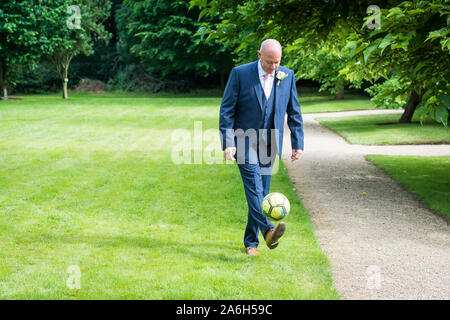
x,y
375,129
90,182
311,102
427,177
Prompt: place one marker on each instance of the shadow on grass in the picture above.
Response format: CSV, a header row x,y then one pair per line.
x,y
208,251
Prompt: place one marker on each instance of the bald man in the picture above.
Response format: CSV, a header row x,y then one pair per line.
x,y
252,113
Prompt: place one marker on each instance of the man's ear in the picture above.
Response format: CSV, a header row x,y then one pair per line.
x,y
259,54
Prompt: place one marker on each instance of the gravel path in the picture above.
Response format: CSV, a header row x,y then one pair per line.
x,y
382,242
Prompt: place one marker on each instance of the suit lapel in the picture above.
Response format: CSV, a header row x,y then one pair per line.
x,y
257,85
276,90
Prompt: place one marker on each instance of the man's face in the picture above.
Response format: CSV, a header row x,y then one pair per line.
x,y
270,59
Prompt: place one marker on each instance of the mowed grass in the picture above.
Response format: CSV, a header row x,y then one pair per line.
x,y
384,129
310,100
90,182
427,177
313,102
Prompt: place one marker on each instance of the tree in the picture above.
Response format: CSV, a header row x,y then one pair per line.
x,y
21,38
244,21
313,32
163,34
74,29
322,61
411,52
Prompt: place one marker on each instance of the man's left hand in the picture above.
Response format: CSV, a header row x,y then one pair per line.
x,y
296,154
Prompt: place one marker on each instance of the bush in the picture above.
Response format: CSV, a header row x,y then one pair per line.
x,y
136,78
89,85
41,79
390,94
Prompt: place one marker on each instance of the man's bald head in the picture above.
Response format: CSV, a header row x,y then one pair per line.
x,y
270,45
270,55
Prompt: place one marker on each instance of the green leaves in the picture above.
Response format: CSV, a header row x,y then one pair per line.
x,y
393,12
387,40
443,34
444,99
440,114
351,45
172,32
413,57
442,111
9,27
369,50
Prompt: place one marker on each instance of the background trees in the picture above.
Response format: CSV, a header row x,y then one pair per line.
x,y
411,53
73,29
22,41
54,30
321,61
406,59
162,35
158,45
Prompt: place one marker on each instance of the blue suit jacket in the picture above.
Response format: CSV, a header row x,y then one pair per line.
x,y
242,106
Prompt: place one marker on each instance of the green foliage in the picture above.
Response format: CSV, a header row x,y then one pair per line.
x,y
74,29
389,94
41,79
411,48
21,23
244,23
329,41
326,41
162,34
32,29
21,39
135,78
69,42
321,62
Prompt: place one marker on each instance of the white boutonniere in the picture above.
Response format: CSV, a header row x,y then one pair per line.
x,y
280,76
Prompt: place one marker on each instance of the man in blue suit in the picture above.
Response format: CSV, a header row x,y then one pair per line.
x,y
252,114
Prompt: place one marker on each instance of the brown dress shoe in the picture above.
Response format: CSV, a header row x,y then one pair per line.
x,y
251,251
274,234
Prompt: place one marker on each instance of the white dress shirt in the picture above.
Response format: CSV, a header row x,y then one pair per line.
x,y
266,84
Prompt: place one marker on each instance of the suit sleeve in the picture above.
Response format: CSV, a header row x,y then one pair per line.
x,y
228,110
295,120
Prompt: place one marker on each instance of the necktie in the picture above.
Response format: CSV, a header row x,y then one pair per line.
x,y
266,85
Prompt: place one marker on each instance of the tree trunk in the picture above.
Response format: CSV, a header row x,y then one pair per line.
x,y
414,100
64,90
4,94
61,61
339,85
65,80
340,94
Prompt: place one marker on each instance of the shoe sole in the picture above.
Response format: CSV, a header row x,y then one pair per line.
x,y
278,234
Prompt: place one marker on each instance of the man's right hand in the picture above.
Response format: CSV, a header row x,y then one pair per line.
x,y
229,153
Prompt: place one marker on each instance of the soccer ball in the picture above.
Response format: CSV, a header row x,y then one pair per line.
x,y
276,206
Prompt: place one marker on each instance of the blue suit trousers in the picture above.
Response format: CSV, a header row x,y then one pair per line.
x,y
256,187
